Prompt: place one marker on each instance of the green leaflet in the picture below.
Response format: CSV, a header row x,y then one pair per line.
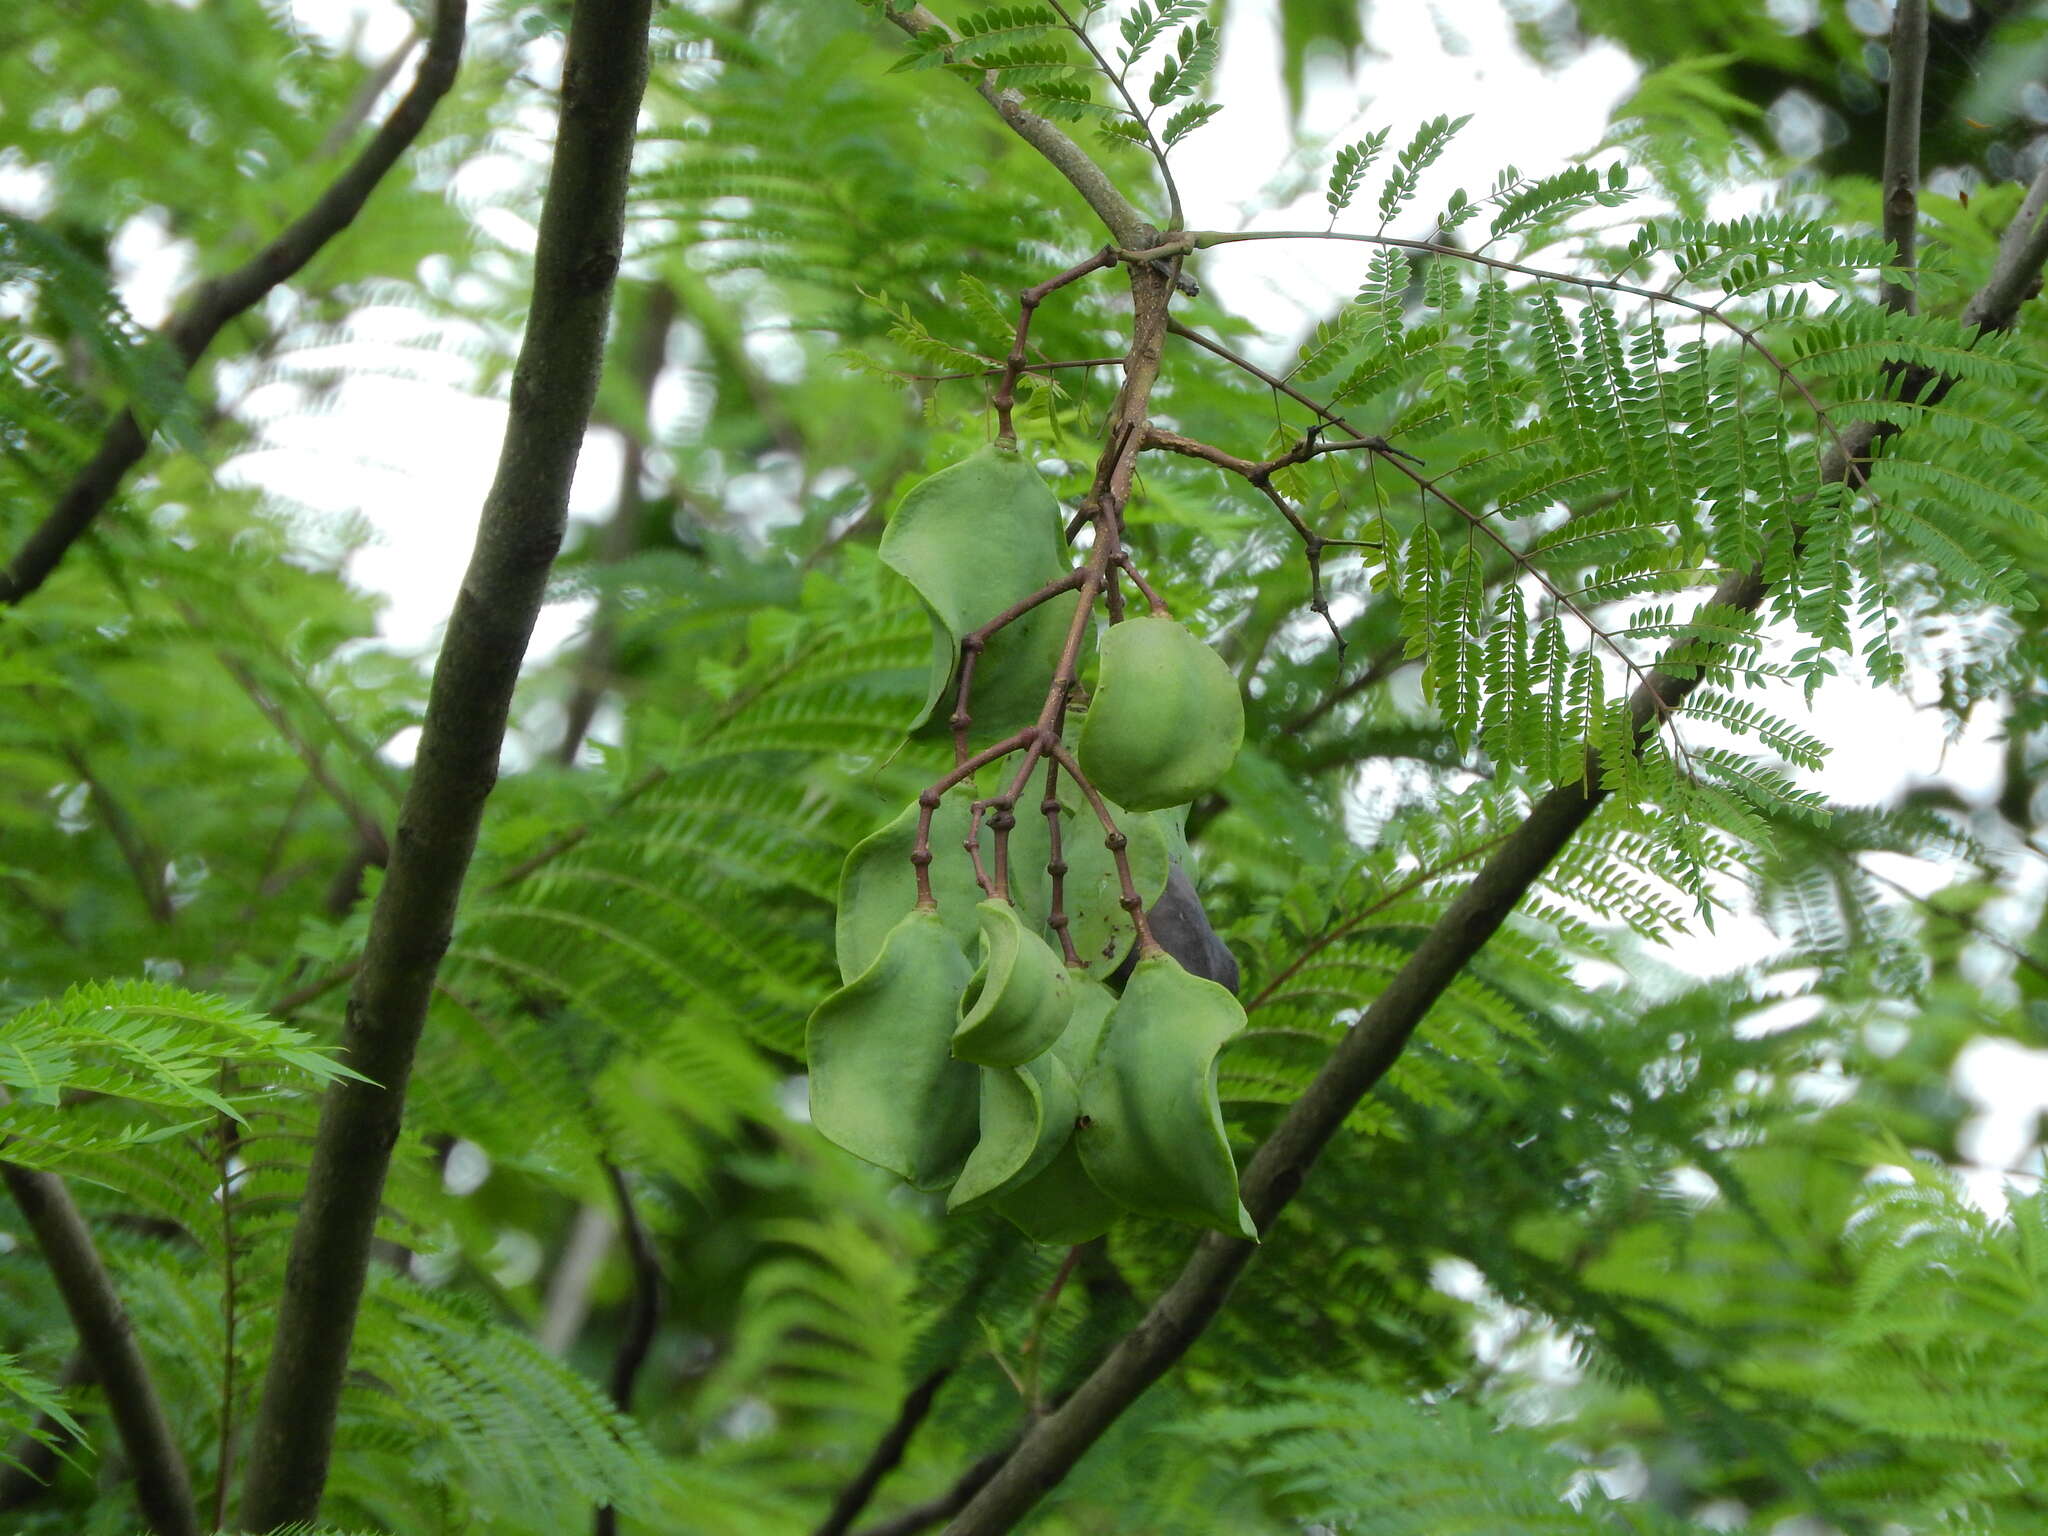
x,y
973,539
1154,1136
883,1085
1061,1204
1019,997
877,885
1027,1116
1166,720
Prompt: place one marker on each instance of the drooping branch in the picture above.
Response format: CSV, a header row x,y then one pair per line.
x,y
554,384
219,300
145,862
107,1338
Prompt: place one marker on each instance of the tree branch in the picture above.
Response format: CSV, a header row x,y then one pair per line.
x,y
1124,223
107,1337
1370,1048
1901,190
888,1452
553,387
192,329
922,1517
643,1315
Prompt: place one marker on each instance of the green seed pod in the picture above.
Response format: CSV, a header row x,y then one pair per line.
x,y
1018,1000
883,1084
973,539
1027,1115
877,885
1152,1129
1061,1204
1166,720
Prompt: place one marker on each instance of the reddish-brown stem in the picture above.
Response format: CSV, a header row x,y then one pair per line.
x,y
1119,850
975,641
1260,472
1056,865
928,804
1005,399
1129,567
971,845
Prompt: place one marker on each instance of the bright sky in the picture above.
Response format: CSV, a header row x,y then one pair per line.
x,y
414,456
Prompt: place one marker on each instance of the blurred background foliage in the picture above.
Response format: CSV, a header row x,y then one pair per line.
x,y
1624,1244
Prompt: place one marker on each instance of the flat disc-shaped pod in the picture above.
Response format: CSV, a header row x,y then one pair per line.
x,y
1060,1203
1166,719
1019,998
1092,896
1152,1129
877,884
1027,1115
883,1084
974,539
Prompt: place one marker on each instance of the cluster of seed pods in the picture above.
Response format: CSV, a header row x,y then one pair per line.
x,y
979,1044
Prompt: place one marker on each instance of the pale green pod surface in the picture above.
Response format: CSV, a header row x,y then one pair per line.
x,y
1152,1129
1017,1001
1101,929
1166,719
877,885
973,539
1027,1115
883,1084
1082,1037
1060,1203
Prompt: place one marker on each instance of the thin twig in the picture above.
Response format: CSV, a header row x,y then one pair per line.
x,y
145,863
219,300
1005,398
643,1316
922,1517
885,1457
1125,224
1429,487
1181,244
